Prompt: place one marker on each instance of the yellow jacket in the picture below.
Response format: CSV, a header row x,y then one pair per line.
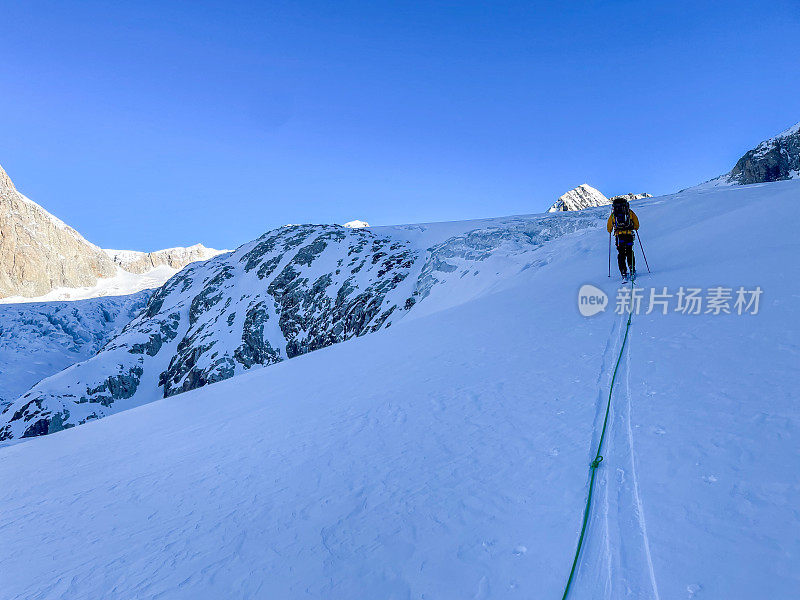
x,y
610,224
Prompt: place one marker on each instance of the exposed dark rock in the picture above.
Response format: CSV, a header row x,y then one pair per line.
x,y
116,387
775,159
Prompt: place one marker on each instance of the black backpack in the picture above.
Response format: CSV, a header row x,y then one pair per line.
x,y
622,214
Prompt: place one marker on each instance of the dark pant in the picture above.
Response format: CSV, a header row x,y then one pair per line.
x,y
625,252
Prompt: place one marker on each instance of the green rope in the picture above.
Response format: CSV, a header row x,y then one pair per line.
x,y
598,458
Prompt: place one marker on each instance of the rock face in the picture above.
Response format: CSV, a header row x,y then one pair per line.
x,y
175,258
775,159
583,196
291,291
38,252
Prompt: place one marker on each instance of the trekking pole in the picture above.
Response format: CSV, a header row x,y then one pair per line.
x,y
643,254
609,255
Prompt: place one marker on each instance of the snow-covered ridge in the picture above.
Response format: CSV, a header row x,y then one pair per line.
x,y
356,224
632,197
294,290
176,258
794,129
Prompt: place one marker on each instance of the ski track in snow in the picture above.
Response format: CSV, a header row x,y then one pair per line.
x,y
616,560
595,568
629,570
604,381
634,475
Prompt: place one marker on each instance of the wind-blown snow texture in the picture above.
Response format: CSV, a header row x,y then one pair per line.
x,y
42,338
447,457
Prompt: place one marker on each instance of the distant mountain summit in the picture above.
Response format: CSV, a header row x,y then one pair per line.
x,y
39,253
775,159
630,197
583,196
134,261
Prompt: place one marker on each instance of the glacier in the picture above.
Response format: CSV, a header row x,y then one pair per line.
x,y
40,339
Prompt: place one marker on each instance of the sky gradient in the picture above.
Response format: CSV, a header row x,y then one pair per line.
x,y
154,124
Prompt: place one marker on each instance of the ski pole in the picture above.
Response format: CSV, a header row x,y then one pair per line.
x,y
609,255
643,254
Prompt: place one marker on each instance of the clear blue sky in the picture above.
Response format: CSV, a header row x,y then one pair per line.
x,y
152,124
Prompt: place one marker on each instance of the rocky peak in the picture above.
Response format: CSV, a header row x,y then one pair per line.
x,y
6,185
775,159
583,196
39,252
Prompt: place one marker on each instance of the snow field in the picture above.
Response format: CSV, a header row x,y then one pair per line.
x,y
447,457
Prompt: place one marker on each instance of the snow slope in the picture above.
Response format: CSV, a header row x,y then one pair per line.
x,y
42,338
447,457
123,283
